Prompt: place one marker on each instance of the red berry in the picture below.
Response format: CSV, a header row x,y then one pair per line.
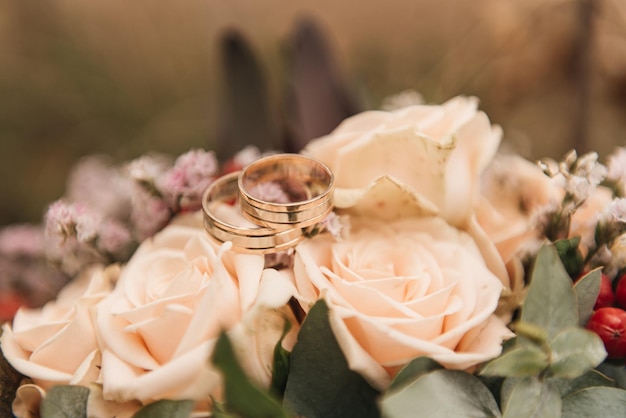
x,y
606,297
9,304
610,325
620,291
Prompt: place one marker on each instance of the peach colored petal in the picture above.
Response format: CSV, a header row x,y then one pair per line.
x,y
27,401
98,407
19,359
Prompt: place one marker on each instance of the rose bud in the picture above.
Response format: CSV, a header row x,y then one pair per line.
x,y
610,325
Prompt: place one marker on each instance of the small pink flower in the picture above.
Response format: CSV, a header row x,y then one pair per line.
x,y
183,185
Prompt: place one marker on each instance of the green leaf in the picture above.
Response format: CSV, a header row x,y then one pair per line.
x,y
595,402
587,289
589,379
242,397
413,371
518,362
614,370
570,255
280,368
575,351
531,397
166,409
441,394
65,402
551,300
320,384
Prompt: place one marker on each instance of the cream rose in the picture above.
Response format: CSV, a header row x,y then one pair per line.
x,y
438,151
57,344
514,191
402,289
177,293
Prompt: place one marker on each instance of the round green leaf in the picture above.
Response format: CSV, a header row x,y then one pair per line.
x,y
441,394
65,402
551,301
575,351
320,383
587,289
518,362
595,402
533,398
412,371
166,409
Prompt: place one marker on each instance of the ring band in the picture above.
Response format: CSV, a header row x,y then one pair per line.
x,y
261,240
307,183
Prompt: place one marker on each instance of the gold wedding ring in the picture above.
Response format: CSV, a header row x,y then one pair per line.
x,y
305,184
260,240
282,195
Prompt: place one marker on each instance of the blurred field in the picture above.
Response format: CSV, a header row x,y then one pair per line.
x,y
123,78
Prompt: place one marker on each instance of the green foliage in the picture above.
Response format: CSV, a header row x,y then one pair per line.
x,y
166,409
441,394
518,362
551,301
532,397
65,402
280,369
413,371
320,383
587,289
595,402
570,255
243,398
548,371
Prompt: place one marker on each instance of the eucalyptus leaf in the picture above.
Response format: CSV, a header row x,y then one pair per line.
x,y
551,300
587,289
65,402
507,388
441,394
534,398
412,371
589,379
614,370
280,368
166,408
242,397
570,255
518,362
320,384
575,351
595,402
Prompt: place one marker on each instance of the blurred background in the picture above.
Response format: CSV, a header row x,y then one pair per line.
x,y
122,78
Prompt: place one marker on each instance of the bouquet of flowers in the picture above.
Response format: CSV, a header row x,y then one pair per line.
x,y
432,276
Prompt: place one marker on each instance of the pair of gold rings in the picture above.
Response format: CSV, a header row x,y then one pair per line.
x,y
283,195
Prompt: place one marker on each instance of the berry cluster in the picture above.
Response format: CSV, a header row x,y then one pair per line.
x,y
609,317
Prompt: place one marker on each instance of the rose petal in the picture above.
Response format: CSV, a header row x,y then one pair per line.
x,y
27,401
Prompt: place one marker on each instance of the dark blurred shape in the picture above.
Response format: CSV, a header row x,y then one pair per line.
x,y
317,98
245,116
